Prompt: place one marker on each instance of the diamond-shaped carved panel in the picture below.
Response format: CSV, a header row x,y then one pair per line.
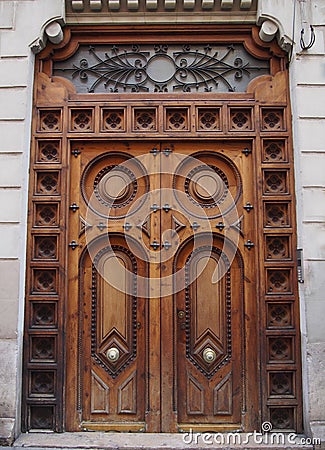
x,y
113,335
207,312
209,353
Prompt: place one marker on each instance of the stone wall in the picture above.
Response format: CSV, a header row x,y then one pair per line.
x,y
21,22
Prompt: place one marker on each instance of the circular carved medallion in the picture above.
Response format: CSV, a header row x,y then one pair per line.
x,y
207,185
211,182
112,182
115,185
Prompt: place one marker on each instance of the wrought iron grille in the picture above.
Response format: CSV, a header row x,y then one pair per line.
x,y
161,68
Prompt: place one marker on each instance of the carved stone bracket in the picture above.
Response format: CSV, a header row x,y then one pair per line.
x,y
52,31
275,19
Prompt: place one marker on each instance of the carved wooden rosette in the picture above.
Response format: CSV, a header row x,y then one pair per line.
x,y
245,138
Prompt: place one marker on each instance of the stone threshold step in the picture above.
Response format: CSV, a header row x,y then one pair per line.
x,y
160,441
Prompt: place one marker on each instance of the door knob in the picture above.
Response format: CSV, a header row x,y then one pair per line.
x,y
209,355
113,354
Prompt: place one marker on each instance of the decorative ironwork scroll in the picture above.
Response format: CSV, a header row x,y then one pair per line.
x,y
161,68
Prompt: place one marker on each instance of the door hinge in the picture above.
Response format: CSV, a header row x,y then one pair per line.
x,y
101,226
166,207
249,244
73,245
167,151
74,207
248,207
247,151
195,226
155,245
220,226
127,226
155,207
154,151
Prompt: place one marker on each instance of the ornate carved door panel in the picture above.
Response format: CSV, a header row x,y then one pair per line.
x,y
211,185
107,299
111,347
210,335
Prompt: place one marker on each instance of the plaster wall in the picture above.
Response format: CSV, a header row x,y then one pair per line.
x,y
307,73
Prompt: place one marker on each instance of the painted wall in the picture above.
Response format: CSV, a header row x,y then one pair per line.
x,y
308,103
21,23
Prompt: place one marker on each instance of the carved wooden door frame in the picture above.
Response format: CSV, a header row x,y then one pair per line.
x,y
259,116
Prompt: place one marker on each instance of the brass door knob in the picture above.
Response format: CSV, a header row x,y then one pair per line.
x,y
113,354
209,355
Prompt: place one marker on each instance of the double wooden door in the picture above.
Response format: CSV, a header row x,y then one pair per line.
x,y
161,318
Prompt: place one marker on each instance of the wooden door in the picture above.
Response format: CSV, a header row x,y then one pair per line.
x,y
171,226
156,316
107,308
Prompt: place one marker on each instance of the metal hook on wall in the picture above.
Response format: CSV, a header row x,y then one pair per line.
x,y
311,41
